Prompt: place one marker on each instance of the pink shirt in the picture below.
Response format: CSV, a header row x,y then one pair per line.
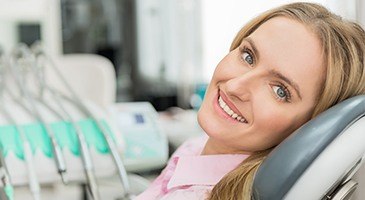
x,y
189,175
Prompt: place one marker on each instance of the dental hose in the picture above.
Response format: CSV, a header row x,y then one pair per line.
x,y
37,49
28,156
38,71
4,174
84,150
5,179
57,152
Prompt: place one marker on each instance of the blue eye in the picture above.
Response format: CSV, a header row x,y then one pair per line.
x,y
281,92
248,58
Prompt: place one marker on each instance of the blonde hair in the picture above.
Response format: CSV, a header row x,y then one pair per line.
x,y
343,45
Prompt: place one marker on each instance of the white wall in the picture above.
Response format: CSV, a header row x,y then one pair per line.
x,y
168,40
43,12
360,11
8,35
167,34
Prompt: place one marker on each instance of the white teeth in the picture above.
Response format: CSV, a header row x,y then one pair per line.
x,y
227,109
230,112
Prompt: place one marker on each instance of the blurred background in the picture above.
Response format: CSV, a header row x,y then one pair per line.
x,y
163,51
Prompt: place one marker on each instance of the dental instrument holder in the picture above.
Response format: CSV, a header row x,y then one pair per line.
x,y
38,51
84,150
21,54
33,180
84,153
65,134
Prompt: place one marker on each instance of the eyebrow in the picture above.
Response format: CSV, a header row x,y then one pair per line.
x,y
273,72
287,80
253,46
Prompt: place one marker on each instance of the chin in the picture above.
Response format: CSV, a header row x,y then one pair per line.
x,y
209,127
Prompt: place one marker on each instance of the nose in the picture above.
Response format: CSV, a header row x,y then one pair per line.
x,y
242,86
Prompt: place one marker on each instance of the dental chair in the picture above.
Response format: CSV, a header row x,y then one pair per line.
x,y
320,160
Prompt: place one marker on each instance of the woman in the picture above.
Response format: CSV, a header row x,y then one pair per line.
x,y
284,67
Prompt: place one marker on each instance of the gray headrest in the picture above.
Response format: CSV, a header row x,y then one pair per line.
x,y
287,162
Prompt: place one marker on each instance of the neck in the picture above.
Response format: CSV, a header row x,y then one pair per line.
x,y
215,147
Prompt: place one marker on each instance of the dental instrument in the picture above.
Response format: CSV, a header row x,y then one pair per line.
x,y
84,150
40,54
28,156
17,62
7,187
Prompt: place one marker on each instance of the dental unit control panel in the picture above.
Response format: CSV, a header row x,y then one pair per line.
x,y
146,143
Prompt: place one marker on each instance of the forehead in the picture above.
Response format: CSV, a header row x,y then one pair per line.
x,y
291,48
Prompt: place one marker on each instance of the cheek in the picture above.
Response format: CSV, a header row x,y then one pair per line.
x,y
205,112
274,123
271,117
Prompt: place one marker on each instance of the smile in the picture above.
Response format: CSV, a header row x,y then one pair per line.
x,y
229,111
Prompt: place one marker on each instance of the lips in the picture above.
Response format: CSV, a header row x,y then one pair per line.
x,y
229,108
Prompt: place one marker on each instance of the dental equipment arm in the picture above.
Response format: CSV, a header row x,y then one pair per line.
x,y
7,189
77,101
57,152
84,150
33,180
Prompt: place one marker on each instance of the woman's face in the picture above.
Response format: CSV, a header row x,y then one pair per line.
x,y
264,89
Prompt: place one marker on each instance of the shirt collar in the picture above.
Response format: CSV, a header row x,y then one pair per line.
x,y
203,169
